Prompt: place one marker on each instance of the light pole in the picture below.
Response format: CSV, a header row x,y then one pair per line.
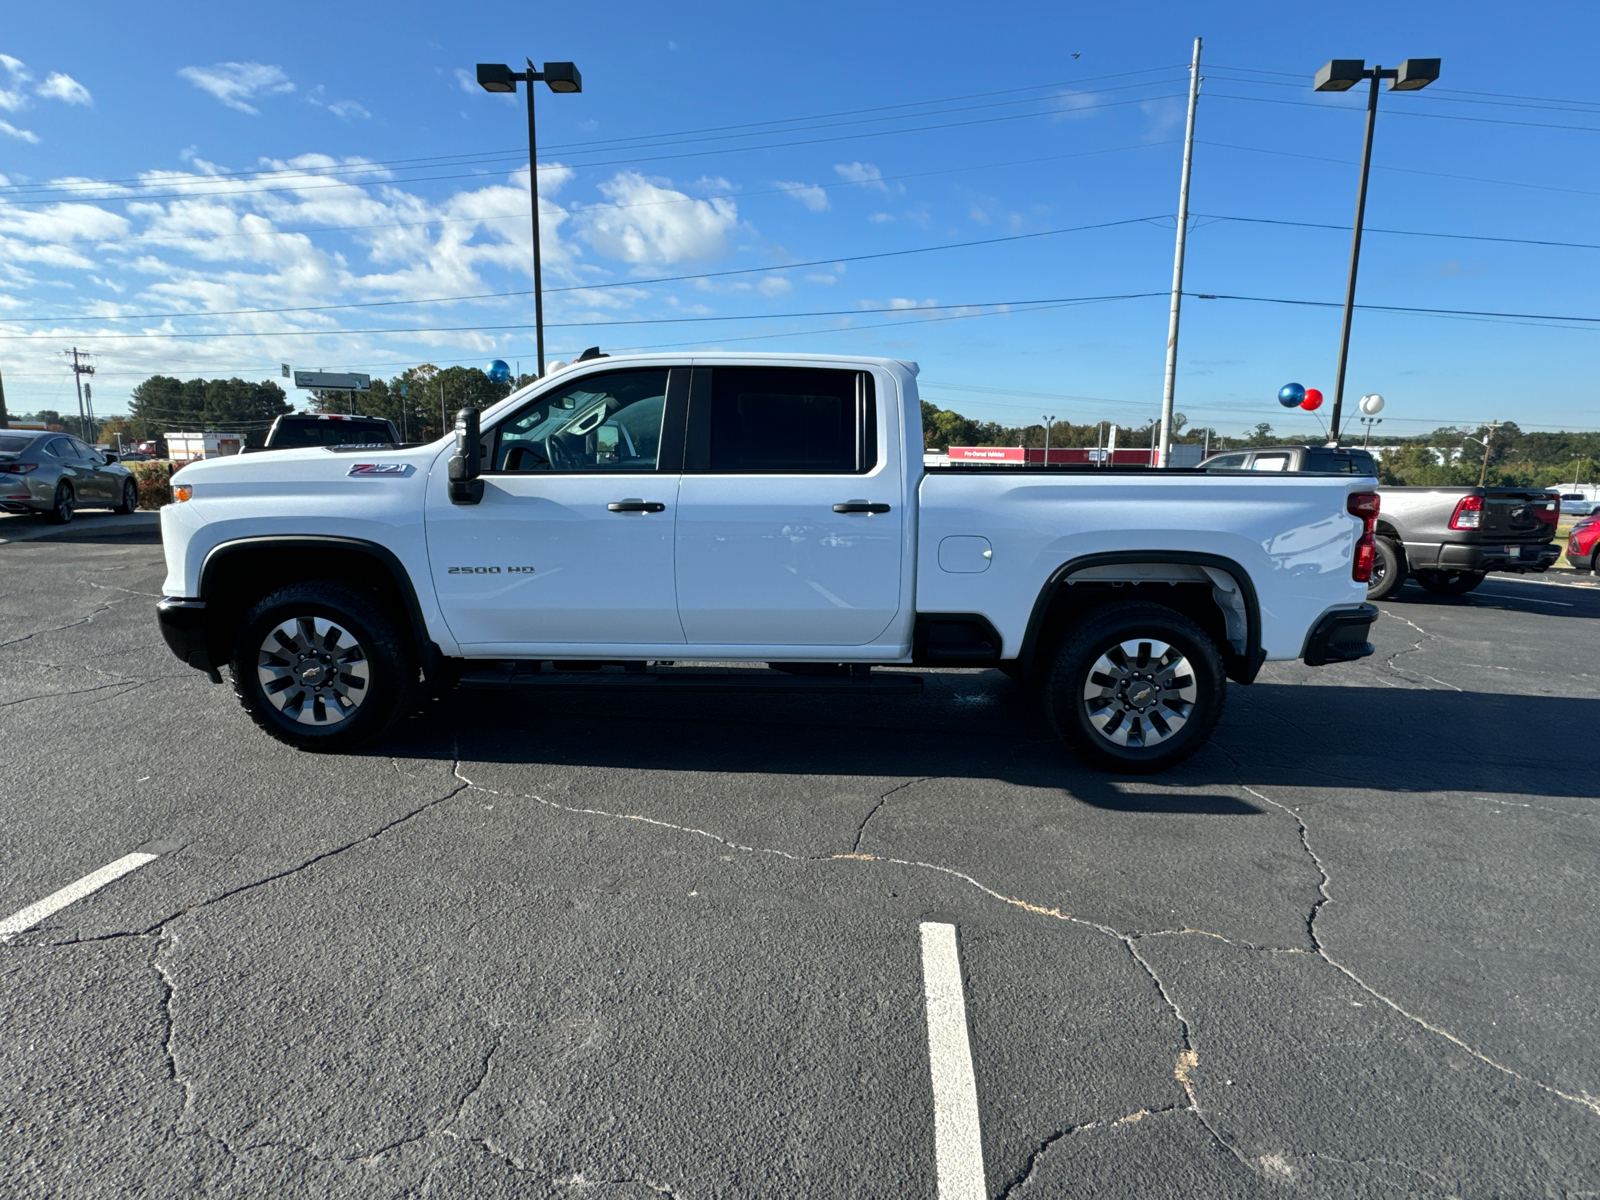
x,y
1340,75
559,77
1369,422
1048,421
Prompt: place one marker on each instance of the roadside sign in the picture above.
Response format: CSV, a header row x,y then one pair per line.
x,y
333,381
986,454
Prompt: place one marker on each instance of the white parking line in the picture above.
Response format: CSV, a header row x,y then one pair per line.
x,y
957,1138
28,917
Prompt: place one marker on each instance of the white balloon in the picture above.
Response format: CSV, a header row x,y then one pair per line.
x,y
1372,405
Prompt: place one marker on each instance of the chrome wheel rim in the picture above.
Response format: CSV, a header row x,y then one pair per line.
x,y
130,495
313,671
64,504
1140,692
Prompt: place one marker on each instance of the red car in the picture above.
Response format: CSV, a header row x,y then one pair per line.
x,y
1583,543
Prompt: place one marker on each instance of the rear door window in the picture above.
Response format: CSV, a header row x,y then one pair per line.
x,y
773,420
1226,462
1270,462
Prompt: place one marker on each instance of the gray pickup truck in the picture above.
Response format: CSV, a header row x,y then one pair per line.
x,y
1447,539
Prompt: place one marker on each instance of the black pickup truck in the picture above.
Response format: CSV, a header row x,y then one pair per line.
x,y
1447,539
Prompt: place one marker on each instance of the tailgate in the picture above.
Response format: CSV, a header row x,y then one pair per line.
x,y
1513,515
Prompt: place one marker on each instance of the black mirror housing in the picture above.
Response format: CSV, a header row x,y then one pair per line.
x,y
465,486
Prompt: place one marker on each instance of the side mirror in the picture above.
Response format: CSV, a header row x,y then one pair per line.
x,y
108,456
465,486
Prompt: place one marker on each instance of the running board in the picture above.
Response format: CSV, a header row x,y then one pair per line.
x,y
672,679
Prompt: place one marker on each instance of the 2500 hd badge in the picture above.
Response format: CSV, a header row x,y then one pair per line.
x,y
490,570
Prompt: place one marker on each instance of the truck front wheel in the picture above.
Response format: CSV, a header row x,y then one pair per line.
x,y
321,666
1135,688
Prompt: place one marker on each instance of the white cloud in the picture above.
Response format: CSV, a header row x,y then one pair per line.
x,y
237,83
1164,115
64,88
774,285
26,135
809,194
865,174
343,109
649,223
466,82
822,279
714,183
13,98
1074,106
897,302
881,218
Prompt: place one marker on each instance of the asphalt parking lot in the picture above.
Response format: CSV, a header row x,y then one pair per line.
x,y
630,947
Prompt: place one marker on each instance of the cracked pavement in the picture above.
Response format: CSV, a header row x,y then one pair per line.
x,y
631,947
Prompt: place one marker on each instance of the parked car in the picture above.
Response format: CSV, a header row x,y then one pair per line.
x,y
329,429
54,474
1447,539
1338,460
767,511
1576,504
1583,544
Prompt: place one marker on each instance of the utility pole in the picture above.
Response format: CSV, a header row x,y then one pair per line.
x,y
5,419
1488,440
1177,262
80,368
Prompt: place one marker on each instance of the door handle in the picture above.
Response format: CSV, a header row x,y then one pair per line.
x,y
860,506
634,504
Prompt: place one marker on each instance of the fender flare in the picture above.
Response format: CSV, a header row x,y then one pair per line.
x,y
1242,668
427,649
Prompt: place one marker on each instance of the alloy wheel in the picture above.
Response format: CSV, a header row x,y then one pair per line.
x,y
313,671
1140,692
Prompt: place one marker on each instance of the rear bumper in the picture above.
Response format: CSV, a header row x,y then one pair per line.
x,y
183,627
1340,636
1534,556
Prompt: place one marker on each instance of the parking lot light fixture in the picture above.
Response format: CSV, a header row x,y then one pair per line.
x,y
1340,75
558,77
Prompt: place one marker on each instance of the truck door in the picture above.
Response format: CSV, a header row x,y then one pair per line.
x,y
789,520
572,543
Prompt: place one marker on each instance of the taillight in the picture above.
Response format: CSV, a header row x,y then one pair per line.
x,y
1549,512
1365,506
1468,513
1366,555
17,468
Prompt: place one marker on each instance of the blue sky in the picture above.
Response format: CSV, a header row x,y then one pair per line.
x,y
284,157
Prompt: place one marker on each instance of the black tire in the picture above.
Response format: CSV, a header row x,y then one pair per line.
x,y
1449,583
1594,562
130,497
1188,711
65,504
313,700
1389,569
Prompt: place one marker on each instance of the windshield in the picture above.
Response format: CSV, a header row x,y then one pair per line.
x,y
314,432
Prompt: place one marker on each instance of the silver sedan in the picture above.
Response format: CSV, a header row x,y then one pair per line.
x,y
55,473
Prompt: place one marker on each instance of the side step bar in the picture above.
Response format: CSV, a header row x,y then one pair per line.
x,y
749,680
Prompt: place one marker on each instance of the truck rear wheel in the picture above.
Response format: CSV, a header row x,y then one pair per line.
x,y
320,666
1449,583
1135,688
1388,569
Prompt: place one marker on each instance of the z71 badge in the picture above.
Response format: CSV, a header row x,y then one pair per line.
x,y
379,469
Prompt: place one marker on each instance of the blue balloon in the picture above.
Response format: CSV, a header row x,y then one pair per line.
x,y
1290,395
499,371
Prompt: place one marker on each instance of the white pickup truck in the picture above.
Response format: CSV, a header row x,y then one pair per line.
x,y
750,523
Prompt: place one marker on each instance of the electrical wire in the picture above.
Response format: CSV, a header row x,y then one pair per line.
x,y
590,287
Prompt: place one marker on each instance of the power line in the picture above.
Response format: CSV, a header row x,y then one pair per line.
x,y
280,333
605,143
590,287
1465,237
1408,112
140,196
1399,308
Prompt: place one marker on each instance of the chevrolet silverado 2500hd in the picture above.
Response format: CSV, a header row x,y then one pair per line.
x,y
767,513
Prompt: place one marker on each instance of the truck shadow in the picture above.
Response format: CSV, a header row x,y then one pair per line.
x,y
1272,735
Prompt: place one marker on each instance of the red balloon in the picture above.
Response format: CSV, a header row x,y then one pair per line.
x,y
1313,400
